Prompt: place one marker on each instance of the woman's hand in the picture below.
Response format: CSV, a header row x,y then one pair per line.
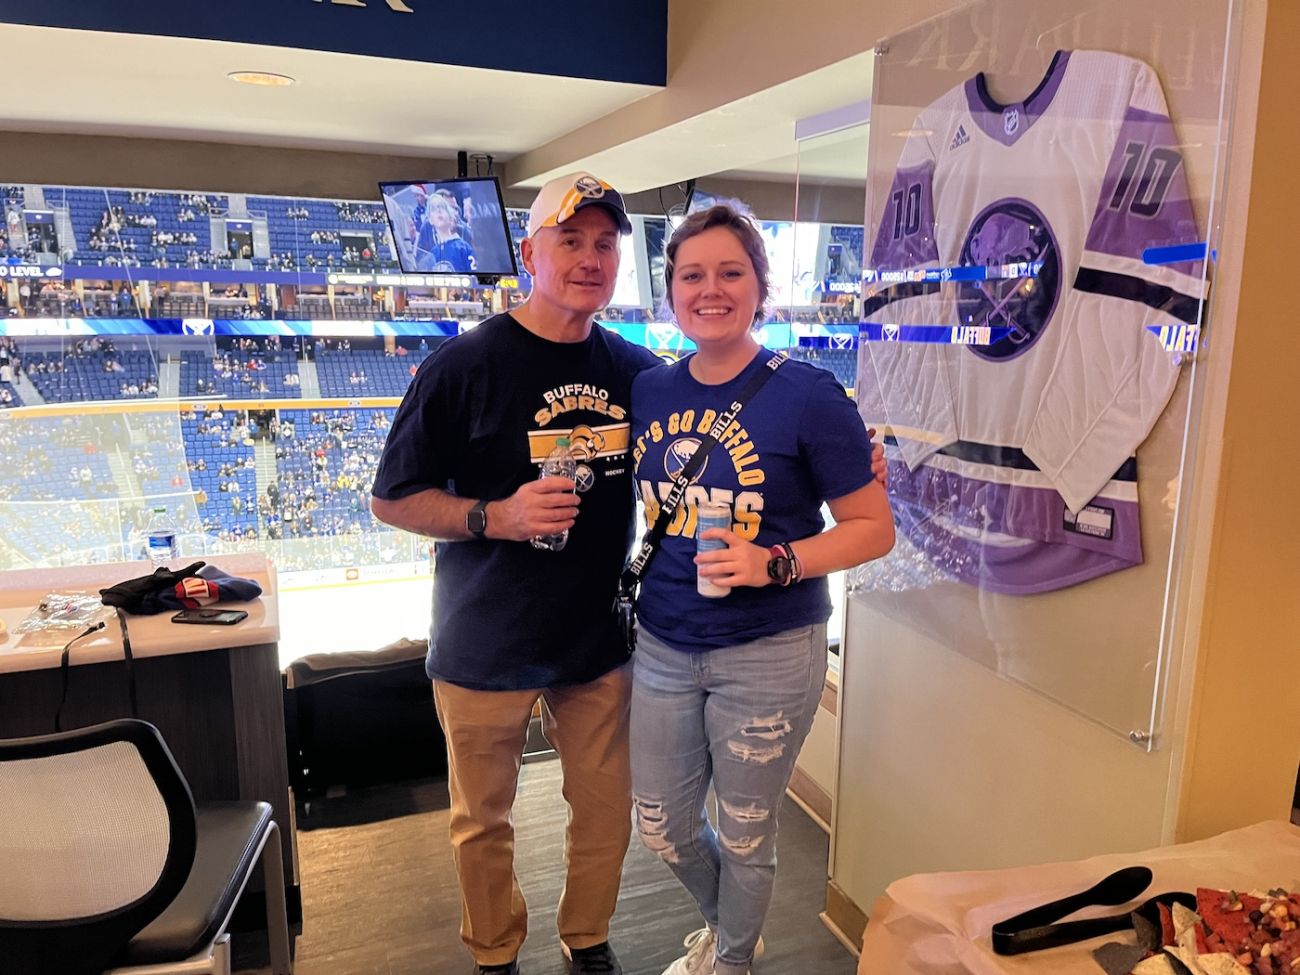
x,y
879,466
741,563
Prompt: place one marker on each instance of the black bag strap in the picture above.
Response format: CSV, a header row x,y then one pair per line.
x,y
636,568
127,655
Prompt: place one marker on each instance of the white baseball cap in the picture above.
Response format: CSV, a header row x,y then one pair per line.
x,y
564,196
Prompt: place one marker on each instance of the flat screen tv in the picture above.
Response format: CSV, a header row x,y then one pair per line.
x,y
449,226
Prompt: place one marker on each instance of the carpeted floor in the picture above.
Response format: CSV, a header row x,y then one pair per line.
x,y
380,897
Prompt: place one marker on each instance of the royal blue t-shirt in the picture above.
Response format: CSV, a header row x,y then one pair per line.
x,y
797,443
481,415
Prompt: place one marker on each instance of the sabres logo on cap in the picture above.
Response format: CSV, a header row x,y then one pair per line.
x,y
590,187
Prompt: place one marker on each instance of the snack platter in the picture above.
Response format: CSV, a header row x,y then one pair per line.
x,y
1229,933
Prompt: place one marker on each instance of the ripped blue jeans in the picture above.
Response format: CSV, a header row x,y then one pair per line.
x,y
734,719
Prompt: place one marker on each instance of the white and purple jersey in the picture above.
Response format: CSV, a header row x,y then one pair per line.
x,y
1012,460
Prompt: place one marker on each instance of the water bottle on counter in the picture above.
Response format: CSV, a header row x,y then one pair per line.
x,y
161,533
559,463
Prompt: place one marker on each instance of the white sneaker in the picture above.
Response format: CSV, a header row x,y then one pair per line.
x,y
698,959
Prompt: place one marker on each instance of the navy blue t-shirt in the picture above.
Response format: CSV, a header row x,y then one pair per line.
x,y
480,416
797,443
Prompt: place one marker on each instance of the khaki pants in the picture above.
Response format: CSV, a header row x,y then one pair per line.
x,y
486,732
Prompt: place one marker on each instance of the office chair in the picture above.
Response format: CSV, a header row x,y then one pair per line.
x,y
108,865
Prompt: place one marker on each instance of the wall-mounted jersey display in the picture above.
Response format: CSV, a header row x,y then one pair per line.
x,y
1011,457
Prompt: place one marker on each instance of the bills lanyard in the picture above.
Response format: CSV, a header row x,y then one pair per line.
x,y
636,568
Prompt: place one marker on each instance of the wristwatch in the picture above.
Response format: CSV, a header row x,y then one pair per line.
x,y
476,520
781,566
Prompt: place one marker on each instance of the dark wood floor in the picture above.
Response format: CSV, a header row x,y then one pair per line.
x,y
380,898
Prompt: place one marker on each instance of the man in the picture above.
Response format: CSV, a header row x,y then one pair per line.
x,y
513,623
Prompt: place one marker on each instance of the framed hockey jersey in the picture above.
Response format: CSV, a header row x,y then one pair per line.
x,y
1027,231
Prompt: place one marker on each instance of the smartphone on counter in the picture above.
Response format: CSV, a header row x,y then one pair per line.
x,y
210,617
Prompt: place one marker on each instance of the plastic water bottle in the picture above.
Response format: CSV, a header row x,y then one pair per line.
x,y
559,463
162,538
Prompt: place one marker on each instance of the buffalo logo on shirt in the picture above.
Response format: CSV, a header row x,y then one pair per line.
x,y
585,443
679,454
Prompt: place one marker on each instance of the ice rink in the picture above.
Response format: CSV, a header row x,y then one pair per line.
x,y
366,615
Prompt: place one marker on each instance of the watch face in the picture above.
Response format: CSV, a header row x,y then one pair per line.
x,y
476,521
779,570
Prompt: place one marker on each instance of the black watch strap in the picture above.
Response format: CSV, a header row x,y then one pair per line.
x,y
476,520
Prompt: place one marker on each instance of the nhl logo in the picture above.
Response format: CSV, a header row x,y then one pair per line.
x,y
589,187
1011,121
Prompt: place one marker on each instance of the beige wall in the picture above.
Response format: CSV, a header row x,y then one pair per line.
x,y
719,51
1244,734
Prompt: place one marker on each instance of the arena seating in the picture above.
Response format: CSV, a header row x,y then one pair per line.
x,y
179,306
238,375
366,372
158,469
86,208
851,237
86,376
12,400
842,363
291,223
314,307
218,459
325,470
60,458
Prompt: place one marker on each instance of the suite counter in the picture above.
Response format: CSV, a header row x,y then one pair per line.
x,y
151,636
214,692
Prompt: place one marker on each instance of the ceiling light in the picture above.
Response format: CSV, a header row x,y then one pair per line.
x,y
264,78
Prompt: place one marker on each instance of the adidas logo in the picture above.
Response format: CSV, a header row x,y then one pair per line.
x,y
960,139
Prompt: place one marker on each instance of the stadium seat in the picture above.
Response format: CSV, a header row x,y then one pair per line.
x,y
148,881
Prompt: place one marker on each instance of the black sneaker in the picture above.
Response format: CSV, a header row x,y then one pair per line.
x,y
596,960
510,969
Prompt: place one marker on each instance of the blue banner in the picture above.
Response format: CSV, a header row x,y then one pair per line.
x,y
201,327
617,40
940,334
1176,253
941,275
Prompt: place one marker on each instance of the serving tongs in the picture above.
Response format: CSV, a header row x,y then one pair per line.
x,y
1037,928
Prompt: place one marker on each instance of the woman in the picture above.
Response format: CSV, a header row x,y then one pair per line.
x,y
725,689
